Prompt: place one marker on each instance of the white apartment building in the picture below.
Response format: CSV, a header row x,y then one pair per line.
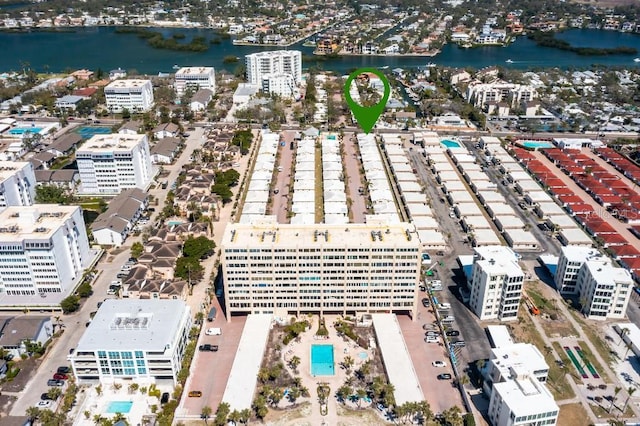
x,y
522,400
195,78
287,269
604,289
569,263
522,356
132,95
133,339
17,183
43,249
110,163
482,94
282,85
268,69
496,283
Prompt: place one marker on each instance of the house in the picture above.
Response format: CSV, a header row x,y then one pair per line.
x,y
392,49
86,92
200,100
112,227
16,331
82,74
131,128
64,178
165,150
166,130
64,145
43,159
117,73
156,289
68,102
244,93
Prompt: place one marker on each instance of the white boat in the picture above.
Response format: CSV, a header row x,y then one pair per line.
x,y
509,61
636,60
176,67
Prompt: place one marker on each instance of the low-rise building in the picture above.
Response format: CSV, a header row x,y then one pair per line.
x,y
141,340
17,332
200,100
496,283
165,150
112,226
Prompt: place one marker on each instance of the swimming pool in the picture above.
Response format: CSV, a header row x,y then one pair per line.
x,y
362,355
449,143
536,144
119,407
23,130
322,360
87,131
174,222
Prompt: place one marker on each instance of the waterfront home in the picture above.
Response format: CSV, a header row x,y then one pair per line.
x,y
82,74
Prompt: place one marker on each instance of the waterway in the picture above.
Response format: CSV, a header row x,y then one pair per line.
x,y
102,47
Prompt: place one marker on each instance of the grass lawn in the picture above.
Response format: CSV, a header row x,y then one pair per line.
x,y
593,335
592,359
572,415
525,331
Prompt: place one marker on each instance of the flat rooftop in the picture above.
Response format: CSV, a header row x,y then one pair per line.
x,y
37,222
111,142
526,396
9,168
129,324
397,360
127,84
268,233
241,385
194,71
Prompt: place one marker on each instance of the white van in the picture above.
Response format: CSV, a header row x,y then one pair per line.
x,y
431,339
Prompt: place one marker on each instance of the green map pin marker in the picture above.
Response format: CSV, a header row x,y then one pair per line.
x,y
367,116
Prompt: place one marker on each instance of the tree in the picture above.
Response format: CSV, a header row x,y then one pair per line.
x,y
205,413
137,249
361,393
189,269
616,391
54,393
234,417
223,191
198,248
294,394
70,304
294,362
33,413
630,391
452,416
52,194
85,290
245,416
344,392
347,363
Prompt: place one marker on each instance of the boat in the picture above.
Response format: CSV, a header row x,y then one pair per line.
x,y
176,67
509,61
636,60
309,43
386,67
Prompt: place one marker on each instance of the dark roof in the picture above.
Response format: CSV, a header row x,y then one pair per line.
x,y
166,146
44,157
65,143
203,96
167,127
121,210
17,329
61,176
132,125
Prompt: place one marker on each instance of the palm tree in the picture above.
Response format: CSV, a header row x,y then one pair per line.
x,y
388,397
452,416
245,416
294,362
616,391
424,409
294,394
234,417
623,333
344,392
347,363
377,386
360,393
54,393
630,391
33,413
205,413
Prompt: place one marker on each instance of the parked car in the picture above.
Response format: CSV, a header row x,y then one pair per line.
x,y
425,302
45,404
459,343
195,394
432,333
55,382
431,339
444,306
45,397
165,398
213,331
63,370
208,348
452,333
438,364
60,376
444,376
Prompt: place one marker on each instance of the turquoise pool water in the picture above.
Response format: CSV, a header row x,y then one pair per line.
x,y
119,407
362,355
322,360
536,144
87,131
331,137
174,222
23,130
450,144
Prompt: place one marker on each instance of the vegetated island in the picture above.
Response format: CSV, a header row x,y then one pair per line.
x,y
157,40
547,39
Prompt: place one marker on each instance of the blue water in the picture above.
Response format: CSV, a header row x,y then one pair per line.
x,y
23,130
331,137
101,47
119,407
362,355
174,222
450,144
322,360
535,144
86,132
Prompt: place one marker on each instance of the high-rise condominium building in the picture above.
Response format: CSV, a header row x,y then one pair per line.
x,y
195,78
43,249
132,95
110,163
276,72
17,184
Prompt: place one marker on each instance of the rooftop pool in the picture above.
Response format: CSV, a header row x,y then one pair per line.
x,y
450,144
